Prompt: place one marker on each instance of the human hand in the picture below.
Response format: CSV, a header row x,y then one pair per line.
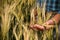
x,y
37,27
47,25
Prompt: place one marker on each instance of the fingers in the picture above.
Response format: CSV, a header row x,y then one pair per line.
x,y
32,27
49,22
46,26
37,27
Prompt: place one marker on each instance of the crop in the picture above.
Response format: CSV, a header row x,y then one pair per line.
x,y
16,16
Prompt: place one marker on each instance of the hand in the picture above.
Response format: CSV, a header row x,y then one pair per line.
x,y
37,27
49,24
41,27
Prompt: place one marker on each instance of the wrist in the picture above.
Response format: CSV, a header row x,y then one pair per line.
x,y
56,18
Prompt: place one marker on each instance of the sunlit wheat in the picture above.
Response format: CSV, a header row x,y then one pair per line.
x,y
16,17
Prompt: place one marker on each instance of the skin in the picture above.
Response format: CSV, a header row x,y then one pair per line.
x,y
49,22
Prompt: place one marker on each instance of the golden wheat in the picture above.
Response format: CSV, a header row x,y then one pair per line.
x,y
16,16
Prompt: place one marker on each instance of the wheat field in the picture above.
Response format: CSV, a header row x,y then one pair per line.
x,y
16,16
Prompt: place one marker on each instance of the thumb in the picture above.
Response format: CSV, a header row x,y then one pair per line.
x,y
49,22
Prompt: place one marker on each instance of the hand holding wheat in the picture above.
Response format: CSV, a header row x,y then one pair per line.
x,y
47,25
